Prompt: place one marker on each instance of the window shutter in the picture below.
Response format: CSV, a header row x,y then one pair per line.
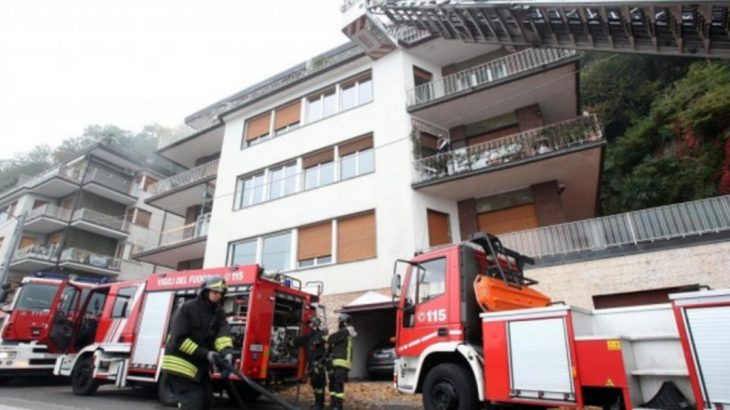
x,y
513,219
258,126
287,115
318,158
356,238
143,218
438,228
357,145
315,241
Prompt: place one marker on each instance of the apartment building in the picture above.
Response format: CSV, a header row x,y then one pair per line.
x,y
81,217
335,168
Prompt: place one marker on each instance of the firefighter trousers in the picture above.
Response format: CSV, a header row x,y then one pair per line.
x,y
192,395
318,379
338,378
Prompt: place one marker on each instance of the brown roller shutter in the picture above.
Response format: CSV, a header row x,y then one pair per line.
x,y
318,158
356,238
508,220
287,115
258,126
27,241
315,241
438,228
143,218
357,145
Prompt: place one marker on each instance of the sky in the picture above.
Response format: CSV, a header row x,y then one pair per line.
x,y
65,64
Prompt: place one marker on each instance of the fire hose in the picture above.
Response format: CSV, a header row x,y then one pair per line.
x,y
227,369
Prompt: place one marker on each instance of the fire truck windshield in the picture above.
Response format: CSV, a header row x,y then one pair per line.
x,y
36,296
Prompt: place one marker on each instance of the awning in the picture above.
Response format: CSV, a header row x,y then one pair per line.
x,y
368,302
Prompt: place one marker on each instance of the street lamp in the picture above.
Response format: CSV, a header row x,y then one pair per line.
x,y
5,270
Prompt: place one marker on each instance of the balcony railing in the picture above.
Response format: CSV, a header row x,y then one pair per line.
x,y
108,179
69,173
190,177
524,145
51,211
194,230
99,218
492,71
36,251
90,258
687,219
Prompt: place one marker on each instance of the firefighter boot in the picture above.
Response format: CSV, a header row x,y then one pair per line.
x,y
318,402
336,404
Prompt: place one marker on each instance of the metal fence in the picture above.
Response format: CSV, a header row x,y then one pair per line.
x,y
527,144
694,218
108,179
99,218
90,258
497,69
194,230
189,177
51,211
36,251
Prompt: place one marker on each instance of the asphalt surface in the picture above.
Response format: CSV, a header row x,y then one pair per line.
x,y
48,393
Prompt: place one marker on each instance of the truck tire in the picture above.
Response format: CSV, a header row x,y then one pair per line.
x,y
164,392
449,386
82,380
5,380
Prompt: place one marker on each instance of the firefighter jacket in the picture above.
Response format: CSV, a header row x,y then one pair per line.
x,y
197,327
339,347
315,344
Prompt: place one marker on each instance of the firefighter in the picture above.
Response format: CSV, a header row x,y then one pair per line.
x,y
315,344
199,336
339,353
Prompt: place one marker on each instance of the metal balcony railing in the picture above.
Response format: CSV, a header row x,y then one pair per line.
x,y
36,251
70,173
51,211
99,218
90,258
194,230
682,220
108,179
528,144
492,71
190,177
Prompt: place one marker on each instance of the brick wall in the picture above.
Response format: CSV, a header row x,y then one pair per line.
x,y
337,301
468,223
576,283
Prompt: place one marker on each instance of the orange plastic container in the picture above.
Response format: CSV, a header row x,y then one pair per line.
x,y
494,295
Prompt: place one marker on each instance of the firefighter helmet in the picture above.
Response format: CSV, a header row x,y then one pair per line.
x,y
215,283
315,323
344,320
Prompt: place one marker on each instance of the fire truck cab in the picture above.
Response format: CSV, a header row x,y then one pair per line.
x,y
21,352
471,333
264,315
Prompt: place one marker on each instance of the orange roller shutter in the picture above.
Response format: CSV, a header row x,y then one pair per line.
x,y
438,228
356,238
357,145
286,115
315,241
318,158
509,220
258,126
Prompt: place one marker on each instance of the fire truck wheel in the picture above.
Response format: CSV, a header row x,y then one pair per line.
x,y
449,386
82,380
5,380
164,392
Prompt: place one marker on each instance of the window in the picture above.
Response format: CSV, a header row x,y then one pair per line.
x,y
143,218
357,158
121,303
431,279
315,245
276,252
356,237
364,91
282,181
321,105
257,129
243,253
319,169
148,181
286,118
349,96
95,306
250,190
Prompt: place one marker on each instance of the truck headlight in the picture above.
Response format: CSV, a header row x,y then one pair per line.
x,y
8,355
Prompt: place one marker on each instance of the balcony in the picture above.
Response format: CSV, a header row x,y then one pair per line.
x,y
569,152
109,185
100,223
492,88
178,244
56,182
187,148
651,226
178,192
47,218
34,258
76,259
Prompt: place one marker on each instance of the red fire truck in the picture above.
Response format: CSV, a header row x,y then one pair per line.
x,y
520,349
264,314
21,353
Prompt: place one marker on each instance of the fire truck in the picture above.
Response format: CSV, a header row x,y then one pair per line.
x,y
117,334
21,353
473,333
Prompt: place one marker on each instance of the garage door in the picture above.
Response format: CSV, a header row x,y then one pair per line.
x,y
508,220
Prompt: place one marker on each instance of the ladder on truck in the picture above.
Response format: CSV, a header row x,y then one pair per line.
x,y
667,27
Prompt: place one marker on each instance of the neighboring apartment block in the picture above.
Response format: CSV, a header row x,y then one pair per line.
x,y
81,217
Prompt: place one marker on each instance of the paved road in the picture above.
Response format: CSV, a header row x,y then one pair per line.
x,y
55,394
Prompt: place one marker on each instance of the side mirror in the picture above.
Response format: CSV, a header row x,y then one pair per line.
x,y
395,285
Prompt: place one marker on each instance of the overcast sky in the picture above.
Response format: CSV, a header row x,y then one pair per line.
x,y
65,64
